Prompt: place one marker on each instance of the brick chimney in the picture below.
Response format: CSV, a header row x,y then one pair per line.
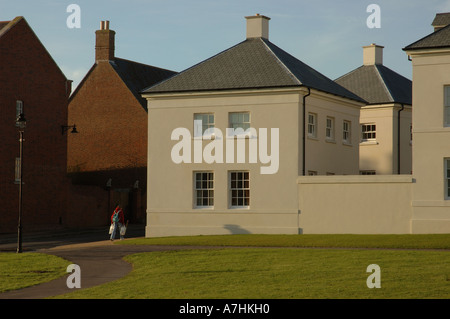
x,y
373,54
104,42
257,26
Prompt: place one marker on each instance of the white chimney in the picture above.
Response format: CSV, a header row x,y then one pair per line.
x,y
373,54
257,26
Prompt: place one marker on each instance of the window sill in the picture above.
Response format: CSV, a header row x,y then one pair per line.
x,y
374,142
347,143
330,140
313,138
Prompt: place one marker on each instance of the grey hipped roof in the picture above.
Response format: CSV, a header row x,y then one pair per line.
x,y
255,63
435,40
441,19
377,84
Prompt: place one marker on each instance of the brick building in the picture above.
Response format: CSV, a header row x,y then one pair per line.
x,y
110,151
29,74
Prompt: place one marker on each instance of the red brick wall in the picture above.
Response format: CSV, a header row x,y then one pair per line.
x,y
28,73
87,206
111,143
111,122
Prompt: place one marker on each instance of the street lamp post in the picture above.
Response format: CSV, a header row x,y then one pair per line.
x,y
21,124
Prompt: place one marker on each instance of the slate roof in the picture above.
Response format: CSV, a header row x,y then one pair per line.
x,y
255,63
377,84
435,40
136,76
441,19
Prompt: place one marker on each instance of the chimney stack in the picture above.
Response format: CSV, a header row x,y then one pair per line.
x,y
257,26
373,54
104,42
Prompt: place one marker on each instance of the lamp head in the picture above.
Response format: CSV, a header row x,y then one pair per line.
x,y
21,122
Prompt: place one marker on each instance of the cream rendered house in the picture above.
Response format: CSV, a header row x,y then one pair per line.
x,y
296,122
431,128
386,121
397,204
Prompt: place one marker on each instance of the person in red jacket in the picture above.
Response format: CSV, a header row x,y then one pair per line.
x,y
117,220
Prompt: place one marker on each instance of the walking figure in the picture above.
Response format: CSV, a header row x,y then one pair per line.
x,y
117,222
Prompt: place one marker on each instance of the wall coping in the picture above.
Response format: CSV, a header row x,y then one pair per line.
x,y
355,179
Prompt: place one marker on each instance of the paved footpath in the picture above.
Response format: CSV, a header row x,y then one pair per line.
x,y
100,261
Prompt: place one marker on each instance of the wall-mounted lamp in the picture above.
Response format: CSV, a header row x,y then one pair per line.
x,y
64,128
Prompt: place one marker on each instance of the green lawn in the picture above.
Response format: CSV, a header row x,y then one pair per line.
x,y
286,273
262,267
433,241
28,269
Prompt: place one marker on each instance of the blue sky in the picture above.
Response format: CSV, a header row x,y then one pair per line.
x,y
328,35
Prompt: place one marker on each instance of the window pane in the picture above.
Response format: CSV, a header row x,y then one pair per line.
x,y
240,120
239,192
447,115
446,95
204,185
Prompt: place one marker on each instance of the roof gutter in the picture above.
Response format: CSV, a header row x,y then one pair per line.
x,y
304,132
